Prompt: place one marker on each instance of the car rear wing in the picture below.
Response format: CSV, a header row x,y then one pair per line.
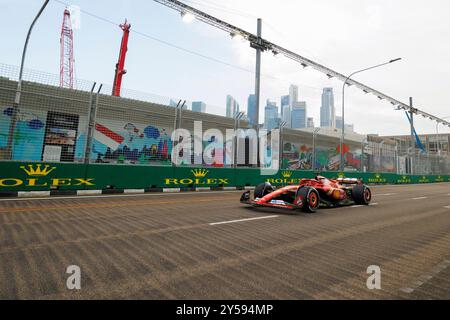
x,y
349,180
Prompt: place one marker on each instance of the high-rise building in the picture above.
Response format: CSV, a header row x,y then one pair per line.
x,y
284,102
232,107
286,117
310,123
338,122
293,95
348,127
172,103
298,115
252,114
327,110
198,106
271,119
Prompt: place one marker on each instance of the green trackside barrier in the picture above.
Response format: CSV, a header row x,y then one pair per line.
x,y
108,176
18,176
285,177
189,177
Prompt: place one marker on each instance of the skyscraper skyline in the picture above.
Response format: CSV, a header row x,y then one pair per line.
x,y
295,112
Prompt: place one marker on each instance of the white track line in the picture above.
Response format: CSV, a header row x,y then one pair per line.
x,y
419,198
385,194
119,195
373,204
357,206
426,277
241,220
447,207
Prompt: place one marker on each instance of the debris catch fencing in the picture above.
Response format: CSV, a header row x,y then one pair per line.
x,y
89,125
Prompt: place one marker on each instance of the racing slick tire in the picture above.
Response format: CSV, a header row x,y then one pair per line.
x,y
361,194
263,189
310,199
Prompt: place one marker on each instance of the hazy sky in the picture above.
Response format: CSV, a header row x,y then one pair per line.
x,y
342,34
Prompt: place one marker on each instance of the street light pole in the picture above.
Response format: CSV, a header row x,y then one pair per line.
x,y
19,85
343,106
258,70
259,48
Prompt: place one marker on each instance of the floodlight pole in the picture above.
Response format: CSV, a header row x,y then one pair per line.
x,y
258,47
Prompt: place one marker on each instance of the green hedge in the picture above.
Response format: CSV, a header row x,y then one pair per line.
x,y
16,176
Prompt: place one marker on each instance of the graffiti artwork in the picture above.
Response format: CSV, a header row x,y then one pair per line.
x,y
28,135
300,157
127,142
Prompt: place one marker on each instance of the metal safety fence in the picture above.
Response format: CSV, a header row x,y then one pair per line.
x,y
88,125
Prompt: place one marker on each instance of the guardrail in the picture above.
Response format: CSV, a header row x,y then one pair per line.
x,y
40,176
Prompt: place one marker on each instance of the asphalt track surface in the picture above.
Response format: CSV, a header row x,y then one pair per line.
x,y
209,246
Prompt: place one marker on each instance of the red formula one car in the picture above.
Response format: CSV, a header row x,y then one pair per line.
x,y
310,194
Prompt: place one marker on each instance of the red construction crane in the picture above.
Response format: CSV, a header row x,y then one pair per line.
x,y
120,71
66,61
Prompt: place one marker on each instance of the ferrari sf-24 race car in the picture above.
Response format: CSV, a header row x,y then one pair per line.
x,y
310,194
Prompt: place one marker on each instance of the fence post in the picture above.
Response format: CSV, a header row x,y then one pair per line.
x,y
280,148
175,119
92,119
180,117
177,125
396,157
361,165
315,132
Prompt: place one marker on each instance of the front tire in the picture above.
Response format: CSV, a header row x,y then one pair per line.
x,y
263,189
361,194
310,199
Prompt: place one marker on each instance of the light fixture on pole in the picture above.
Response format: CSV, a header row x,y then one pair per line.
x,y
237,36
187,17
343,105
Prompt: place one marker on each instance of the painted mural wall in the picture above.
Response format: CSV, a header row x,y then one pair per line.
x,y
36,139
128,143
39,137
28,135
297,156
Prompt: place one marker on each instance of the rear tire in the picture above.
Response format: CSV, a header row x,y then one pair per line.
x,y
361,194
310,199
263,189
